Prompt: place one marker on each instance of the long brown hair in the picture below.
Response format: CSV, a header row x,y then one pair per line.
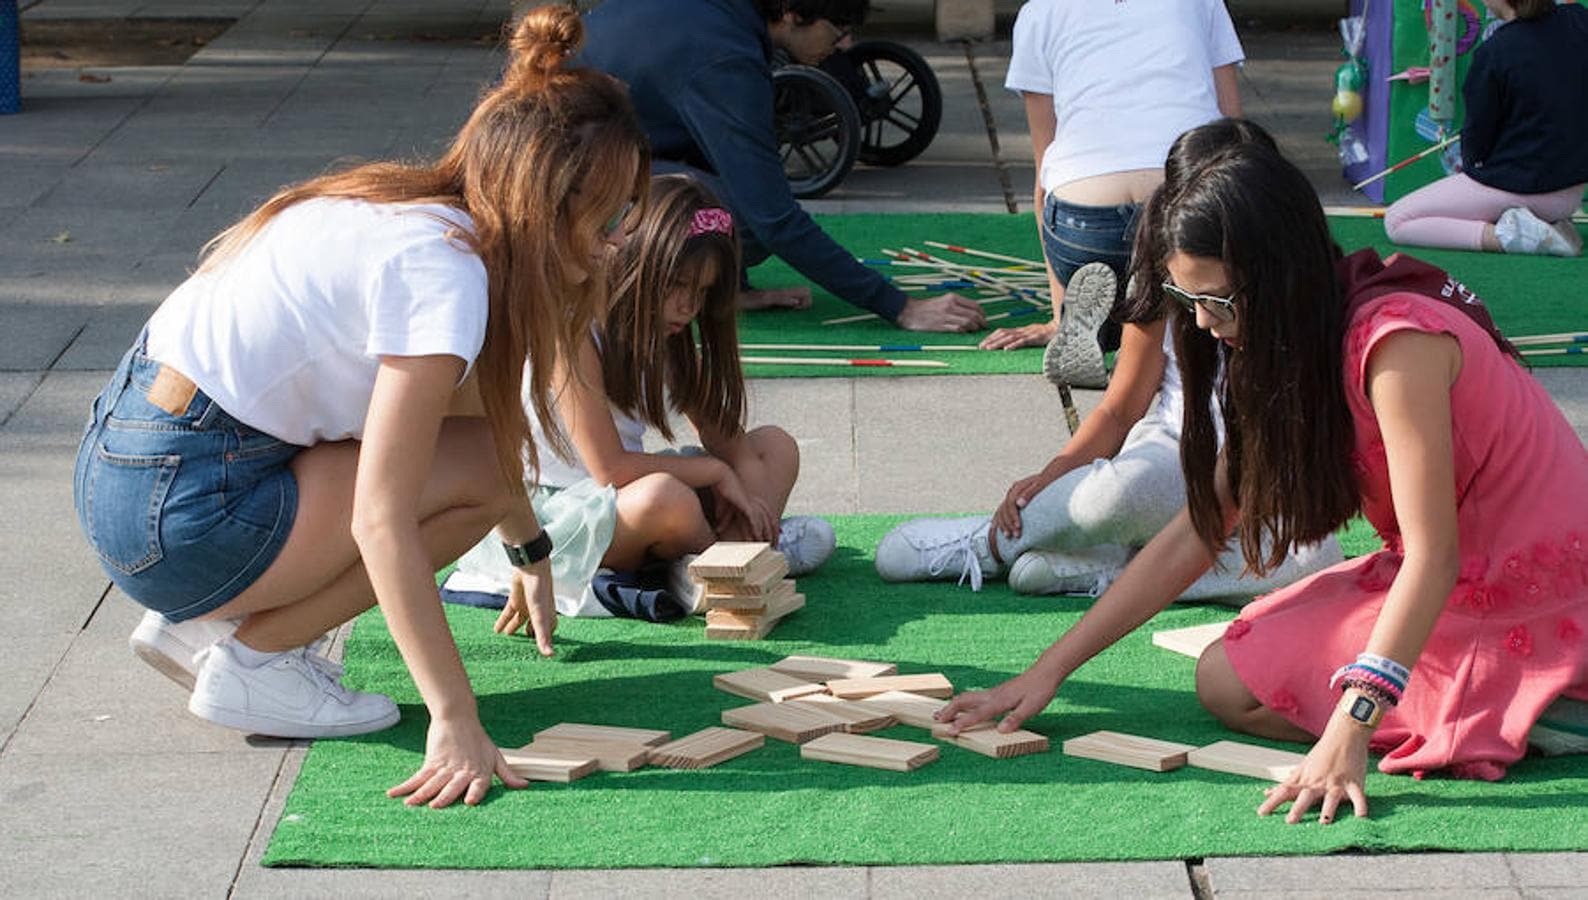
x,y
1288,429
638,357
546,132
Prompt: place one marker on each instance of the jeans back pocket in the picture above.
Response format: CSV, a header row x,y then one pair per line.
x,y
123,497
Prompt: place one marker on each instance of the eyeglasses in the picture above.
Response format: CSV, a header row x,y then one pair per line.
x,y
611,226
1222,309
840,33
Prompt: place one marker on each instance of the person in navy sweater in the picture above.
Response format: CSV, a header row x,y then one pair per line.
x,y
700,74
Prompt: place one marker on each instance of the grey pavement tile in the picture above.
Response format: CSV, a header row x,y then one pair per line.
x,y
15,387
707,884
132,186
1569,388
62,236
918,186
1550,870
1386,872
912,437
36,334
151,141
21,183
30,658
1135,880
110,331
255,882
1574,893
1368,894
158,825
62,94
817,412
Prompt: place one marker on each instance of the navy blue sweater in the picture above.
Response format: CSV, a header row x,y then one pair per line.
x,y
1527,105
700,74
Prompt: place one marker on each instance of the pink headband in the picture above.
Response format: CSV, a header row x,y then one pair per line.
x,y
710,220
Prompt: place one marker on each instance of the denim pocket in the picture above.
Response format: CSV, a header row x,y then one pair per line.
x,y
124,496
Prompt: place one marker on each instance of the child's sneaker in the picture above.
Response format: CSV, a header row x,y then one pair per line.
x,y
1073,356
1520,231
938,550
1088,572
806,542
683,588
170,646
294,694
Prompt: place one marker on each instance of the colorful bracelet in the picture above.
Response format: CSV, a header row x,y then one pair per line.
x,y
1372,689
1386,665
1359,672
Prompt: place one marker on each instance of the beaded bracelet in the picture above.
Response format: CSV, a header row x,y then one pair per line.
x,y
1374,689
1386,665
1366,670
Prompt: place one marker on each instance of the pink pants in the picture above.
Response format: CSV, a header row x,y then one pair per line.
x,y
1452,211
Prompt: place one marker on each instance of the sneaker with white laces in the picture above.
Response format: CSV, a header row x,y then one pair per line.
x,y
170,646
1519,230
1088,572
684,589
938,550
294,694
1073,356
806,542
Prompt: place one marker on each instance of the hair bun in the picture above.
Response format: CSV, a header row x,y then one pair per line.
x,y
546,38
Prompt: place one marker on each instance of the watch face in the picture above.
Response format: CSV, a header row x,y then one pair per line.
x,y
1362,709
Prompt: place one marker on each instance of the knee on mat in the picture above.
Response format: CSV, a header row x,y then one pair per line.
x,y
1220,690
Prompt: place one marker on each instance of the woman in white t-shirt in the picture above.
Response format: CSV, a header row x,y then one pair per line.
x,y
1070,528
1107,87
298,433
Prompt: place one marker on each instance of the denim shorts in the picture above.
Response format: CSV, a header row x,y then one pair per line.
x,y
1074,235
185,510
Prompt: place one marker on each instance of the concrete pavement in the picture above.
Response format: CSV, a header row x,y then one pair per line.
x,y
107,189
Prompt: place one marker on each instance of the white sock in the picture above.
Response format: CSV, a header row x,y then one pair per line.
x,y
248,656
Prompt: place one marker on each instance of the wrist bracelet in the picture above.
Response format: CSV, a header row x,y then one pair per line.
x,y
1386,665
530,552
1378,691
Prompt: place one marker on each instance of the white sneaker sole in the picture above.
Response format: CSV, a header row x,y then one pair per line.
x,y
253,723
163,664
1073,356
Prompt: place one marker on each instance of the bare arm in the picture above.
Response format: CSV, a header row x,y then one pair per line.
x,y
1227,88
1042,123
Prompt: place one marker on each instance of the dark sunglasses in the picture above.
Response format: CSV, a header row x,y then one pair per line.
x,y
1220,308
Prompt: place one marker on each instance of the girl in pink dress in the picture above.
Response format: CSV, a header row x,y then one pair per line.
x,y
1350,384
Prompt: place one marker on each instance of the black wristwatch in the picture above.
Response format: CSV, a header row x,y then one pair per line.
x,y
529,553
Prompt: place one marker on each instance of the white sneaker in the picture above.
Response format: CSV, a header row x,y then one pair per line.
x,y
1073,356
170,646
295,694
1520,231
1088,572
806,542
938,550
683,588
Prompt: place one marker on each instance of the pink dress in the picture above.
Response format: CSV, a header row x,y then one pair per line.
x,y
1511,637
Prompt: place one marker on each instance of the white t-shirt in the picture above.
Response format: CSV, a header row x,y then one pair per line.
x,y
1171,392
1126,76
287,335
557,471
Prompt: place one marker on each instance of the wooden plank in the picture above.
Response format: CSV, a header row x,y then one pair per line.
x,y
775,609
790,721
728,559
764,685
858,717
1128,750
908,709
940,730
748,603
762,578
873,752
929,685
1189,641
822,668
994,743
611,756
580,731
545,767
753,630
706,748
1250,760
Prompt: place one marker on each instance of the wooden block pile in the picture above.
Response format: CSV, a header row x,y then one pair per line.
x,y
746,593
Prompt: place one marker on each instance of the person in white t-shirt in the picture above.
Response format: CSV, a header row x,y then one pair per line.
x,y
1070,528
1107,87
330,408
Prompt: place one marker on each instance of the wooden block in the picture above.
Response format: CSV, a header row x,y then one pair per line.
x,y
611,756
764,685
1128,750
749,628
545,767
579,731
858,717
1251,760
874,752
706,748
790,721
931,685
991,742
1189,641
749,603
822,668
728,560
908,709
775,609
763,578
941,731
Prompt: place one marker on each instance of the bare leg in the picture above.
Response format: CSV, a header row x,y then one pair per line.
x,y
770,474
658,516
318,582
1225,696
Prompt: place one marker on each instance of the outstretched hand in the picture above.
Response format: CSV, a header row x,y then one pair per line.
x,y
950,312
1334,771
1036,335
531,605
460,760
1017,700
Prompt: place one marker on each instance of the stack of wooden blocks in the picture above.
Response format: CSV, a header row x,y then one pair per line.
x,y
746,593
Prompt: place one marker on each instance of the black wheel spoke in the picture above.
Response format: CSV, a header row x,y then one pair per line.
x,y
903,120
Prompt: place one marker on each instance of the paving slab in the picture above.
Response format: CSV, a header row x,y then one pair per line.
x,y
708,884
1139,881
139,186
1384,872
35,335
819,414
1549,870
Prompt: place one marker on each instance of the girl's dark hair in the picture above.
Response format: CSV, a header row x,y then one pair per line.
x,y
843,13
638,358
1533,9
1288,430
1144,300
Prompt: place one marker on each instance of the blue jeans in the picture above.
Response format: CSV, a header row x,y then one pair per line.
x,y
1074,235
185,510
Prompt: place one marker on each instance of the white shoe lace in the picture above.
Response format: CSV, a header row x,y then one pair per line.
x,y
958,551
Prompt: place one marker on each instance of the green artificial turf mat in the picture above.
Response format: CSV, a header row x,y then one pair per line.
x,y
1528,295
769,807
